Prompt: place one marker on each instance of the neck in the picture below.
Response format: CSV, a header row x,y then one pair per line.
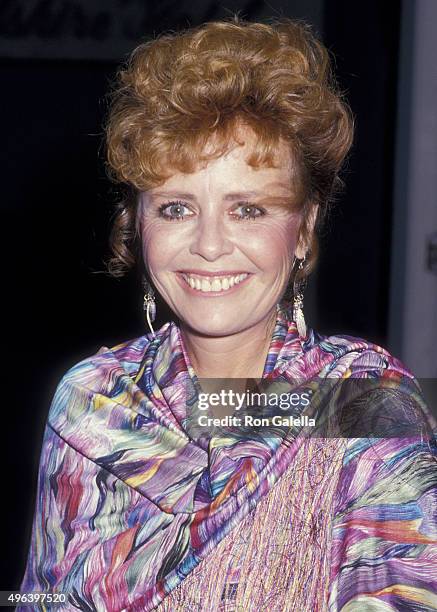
x,y
240,355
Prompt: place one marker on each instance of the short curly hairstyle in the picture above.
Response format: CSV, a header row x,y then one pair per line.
x,y
178,90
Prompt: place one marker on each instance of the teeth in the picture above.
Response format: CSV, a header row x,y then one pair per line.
x,y
216,283
206,285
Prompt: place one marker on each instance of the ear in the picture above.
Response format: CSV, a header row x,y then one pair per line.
x,y
302,245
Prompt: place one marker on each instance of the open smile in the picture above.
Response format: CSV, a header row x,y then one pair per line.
x,y
214,284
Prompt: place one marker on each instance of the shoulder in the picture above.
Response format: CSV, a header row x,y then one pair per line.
x,y
95,369
104,374
345,355
379,399
364,384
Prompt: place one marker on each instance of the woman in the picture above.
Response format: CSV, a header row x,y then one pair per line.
x,y
229,139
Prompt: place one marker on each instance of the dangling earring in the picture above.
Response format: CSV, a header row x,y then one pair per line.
x,y
149,305
298,291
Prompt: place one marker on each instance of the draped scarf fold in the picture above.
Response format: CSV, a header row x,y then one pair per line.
x,y
125,410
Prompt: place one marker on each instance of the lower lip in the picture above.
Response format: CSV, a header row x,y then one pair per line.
x,y
208,294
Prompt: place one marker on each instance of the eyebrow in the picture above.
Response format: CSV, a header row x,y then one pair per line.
x,y
229,197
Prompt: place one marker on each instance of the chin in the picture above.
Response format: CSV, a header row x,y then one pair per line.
x,y
214,327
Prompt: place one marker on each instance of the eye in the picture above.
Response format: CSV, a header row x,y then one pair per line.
x,y
248,211
173,211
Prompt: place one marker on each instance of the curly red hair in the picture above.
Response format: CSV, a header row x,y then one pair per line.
x,y
180,89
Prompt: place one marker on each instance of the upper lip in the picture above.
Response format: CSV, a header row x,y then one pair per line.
x,y
214,273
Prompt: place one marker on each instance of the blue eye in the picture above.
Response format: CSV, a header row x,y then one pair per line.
x,y
249,211
175,211
178,211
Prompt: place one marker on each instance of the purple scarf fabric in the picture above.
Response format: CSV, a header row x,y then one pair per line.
x,y
128,504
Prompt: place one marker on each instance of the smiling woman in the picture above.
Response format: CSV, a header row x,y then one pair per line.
x,y
229,139
225,253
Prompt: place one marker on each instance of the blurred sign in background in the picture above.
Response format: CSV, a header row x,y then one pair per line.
x,y
108,29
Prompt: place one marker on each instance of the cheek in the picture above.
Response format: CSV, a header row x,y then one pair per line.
x,y
274,244
159,243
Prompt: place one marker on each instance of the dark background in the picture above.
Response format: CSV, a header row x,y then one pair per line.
x,y
57,206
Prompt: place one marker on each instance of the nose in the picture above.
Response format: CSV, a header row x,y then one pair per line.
x,y
210,238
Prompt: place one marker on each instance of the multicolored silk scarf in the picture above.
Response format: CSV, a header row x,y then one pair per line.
x,y
128,504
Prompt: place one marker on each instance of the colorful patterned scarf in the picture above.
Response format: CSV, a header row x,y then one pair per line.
x,y
128,504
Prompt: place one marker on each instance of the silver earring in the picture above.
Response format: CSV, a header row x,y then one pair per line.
x,y
298,291
149,304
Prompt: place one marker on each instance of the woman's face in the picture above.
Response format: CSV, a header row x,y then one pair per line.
x,y
219,243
